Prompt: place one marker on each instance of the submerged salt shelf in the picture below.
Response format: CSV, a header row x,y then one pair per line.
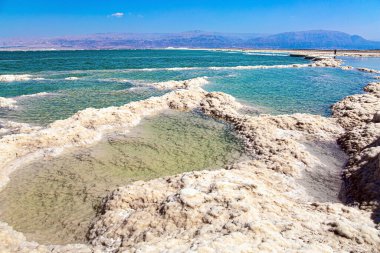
x,y
54,200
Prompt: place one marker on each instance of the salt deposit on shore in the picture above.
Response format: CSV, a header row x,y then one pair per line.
x,y
360,116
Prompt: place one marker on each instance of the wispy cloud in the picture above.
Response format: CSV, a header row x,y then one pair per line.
x,y
117,15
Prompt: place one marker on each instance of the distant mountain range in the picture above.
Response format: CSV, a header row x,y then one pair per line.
x,y
316,39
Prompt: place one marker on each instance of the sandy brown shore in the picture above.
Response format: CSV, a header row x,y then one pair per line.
x,y
283,199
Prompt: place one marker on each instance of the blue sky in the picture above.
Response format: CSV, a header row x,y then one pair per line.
x,y
25,18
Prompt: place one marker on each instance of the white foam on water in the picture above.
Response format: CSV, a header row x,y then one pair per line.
x,y
8,103
266,54
17,78
72,78
14,78
39,94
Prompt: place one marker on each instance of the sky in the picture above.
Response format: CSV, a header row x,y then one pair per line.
x,y
48,18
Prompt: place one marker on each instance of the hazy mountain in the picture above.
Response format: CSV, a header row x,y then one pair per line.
x,y
313,39
198,39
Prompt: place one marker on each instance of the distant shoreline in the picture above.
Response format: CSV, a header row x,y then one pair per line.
x,y
294,52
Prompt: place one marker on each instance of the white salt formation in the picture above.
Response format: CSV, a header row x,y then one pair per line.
x,y
283,199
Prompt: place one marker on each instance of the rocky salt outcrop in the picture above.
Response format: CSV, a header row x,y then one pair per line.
x,y
186,84
9,127
252,206
326,62
368,70
358,110
346,68
244,209
360,115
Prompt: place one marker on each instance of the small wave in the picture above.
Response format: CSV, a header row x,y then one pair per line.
x,y
8,103
14,78
222,67
261,67
175,69
40,94
72,78
165,85
266,54
167,69
116,80
17,78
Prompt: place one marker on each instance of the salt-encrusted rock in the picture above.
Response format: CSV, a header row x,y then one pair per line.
x,y
358,109
368,70
360,115
9,127
186,84
376,117
373,88
326,62
247,208
346,67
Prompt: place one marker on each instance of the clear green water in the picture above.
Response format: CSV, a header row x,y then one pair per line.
x,y
53,200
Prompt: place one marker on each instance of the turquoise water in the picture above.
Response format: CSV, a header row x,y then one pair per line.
x,y
364,62
19,62
281,91
113,78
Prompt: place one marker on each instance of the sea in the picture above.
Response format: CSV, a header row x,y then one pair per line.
x,y
53,85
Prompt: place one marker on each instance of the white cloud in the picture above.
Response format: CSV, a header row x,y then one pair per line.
x,y
117,15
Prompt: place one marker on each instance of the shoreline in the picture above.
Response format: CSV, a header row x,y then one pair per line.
x,y
183,201
303,52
